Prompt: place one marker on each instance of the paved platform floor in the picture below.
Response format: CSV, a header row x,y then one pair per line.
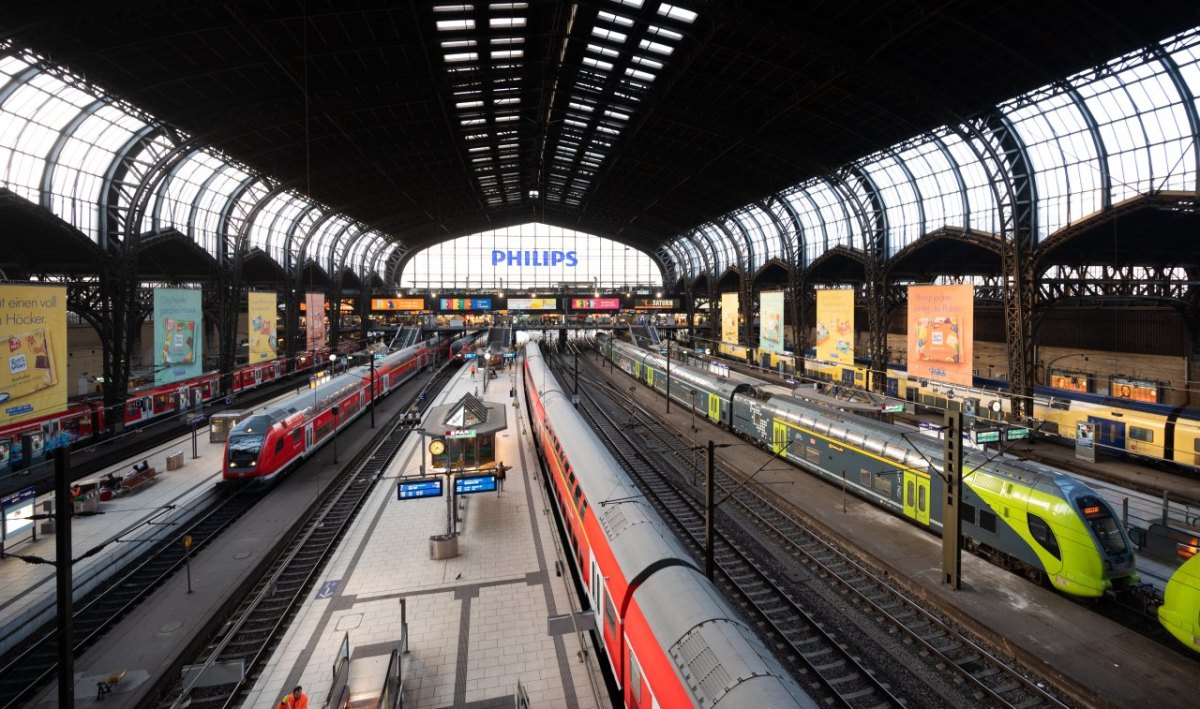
x,y
478,623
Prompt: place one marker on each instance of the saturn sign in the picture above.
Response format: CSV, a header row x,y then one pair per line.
x,y
534,258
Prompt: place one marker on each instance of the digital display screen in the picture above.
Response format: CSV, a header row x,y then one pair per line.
x,y
474,483
418,487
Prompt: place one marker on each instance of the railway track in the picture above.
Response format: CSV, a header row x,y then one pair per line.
x,y
24,671
818,658
258,624
975,672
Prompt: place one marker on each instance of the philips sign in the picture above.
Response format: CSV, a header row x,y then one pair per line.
x,y
534,258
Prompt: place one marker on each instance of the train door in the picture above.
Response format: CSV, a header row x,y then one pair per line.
x,y
714,407
916,497
1109,433
308,436
848,376
650,377
197,397
257,376
893,387
779,437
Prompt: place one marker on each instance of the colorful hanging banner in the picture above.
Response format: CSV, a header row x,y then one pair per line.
x,y
178,334
941,329
533,303
405,304
595,304
35,325
314,321
835,326
729,318
261,321
770,321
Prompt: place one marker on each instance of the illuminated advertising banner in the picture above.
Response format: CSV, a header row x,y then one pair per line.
x,y
729,318
835,326
1135,389
1071,381
261,321
941,326
406,304
178,335
314,321
35,325
465,304
770,321
656,304
533,304
595,304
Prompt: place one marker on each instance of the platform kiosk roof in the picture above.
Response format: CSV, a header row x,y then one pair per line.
x,y
468,413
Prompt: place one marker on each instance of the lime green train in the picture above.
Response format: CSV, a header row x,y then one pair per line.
x,y
1180,611
1031,518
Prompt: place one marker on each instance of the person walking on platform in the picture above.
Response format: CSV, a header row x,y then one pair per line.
x,y
472,371
296,700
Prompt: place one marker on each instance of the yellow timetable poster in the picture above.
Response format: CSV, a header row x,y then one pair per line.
x,y
33,380
261,321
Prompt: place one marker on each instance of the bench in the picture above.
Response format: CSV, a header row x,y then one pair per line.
x,y
135,480
104,686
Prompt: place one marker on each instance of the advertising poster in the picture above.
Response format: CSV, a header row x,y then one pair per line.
x,y
729,318
314,320
770,321
595,304
34,382
178,334
407,305
533,303
465,304
940,331
835,326
261,321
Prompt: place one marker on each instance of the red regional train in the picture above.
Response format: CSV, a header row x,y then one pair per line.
x,y
278,437
468,346
85,418
659,621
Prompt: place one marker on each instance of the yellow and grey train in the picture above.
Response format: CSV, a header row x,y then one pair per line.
x,y
1152,432
1028,517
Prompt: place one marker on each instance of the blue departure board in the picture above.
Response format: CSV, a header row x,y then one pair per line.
x,y
419,487
474,483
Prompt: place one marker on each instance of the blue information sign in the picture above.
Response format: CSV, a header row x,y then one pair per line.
x,y
474,483
419,487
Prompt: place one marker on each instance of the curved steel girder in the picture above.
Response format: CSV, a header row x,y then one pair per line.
x,y
982,239
1169,201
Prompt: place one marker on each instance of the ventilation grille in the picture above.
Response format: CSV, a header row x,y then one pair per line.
x,y
701,669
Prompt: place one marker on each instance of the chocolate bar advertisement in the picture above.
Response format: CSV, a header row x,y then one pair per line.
x,y
178,334
34,322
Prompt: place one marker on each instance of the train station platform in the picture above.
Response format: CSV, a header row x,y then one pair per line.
x,y
1101,661
175,621
104,531
497,615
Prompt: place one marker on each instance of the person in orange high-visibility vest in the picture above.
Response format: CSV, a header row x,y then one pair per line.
x,y
296,700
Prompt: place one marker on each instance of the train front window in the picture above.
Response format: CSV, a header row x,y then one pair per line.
x,y
244,448
1104,527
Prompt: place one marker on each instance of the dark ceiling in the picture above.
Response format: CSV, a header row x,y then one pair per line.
x,y
754,97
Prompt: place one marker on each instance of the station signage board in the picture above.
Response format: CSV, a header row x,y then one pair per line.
x,y
471,484
656,304
458,304
986,436
398,304
892,408
533,304
416,488
17,510
1016,434
460,433
595,304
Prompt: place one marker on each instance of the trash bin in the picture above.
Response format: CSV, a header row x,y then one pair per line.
x,y
443,546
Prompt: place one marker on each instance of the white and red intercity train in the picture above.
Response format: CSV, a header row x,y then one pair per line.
x,y
660,622
271,441
86,417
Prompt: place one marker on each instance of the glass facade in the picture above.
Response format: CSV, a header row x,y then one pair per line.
x,y
531,256
1126,129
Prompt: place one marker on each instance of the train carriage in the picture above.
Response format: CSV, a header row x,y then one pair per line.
x,y
1180,611
660,623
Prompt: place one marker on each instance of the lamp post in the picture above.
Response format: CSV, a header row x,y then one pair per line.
x,y
371,353
668,373
333,366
